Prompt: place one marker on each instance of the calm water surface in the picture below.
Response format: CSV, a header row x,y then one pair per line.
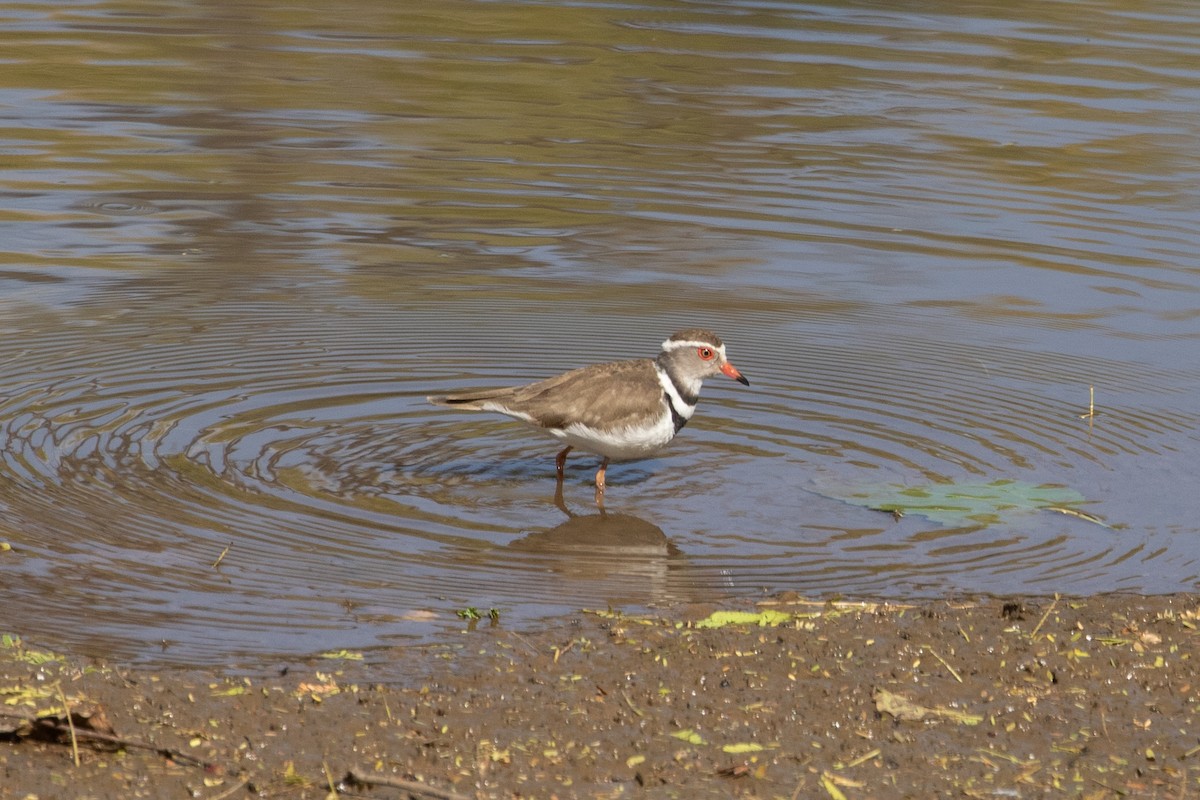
x,y
241,244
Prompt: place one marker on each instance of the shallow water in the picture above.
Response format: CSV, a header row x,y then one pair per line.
x,y
241,246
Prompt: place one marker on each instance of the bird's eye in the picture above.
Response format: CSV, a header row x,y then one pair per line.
x,y
706,353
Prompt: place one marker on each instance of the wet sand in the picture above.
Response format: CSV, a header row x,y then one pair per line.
x,y
1090,697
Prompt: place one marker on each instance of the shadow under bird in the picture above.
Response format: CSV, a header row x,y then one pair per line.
x,y
621,411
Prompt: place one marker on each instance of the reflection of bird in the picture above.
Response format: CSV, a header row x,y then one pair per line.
x,y
604,558
608,540
620,410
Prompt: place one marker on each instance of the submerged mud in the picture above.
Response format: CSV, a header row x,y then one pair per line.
x,y
1090,697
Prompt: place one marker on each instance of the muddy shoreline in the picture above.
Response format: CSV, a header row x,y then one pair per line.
x,y
1092,697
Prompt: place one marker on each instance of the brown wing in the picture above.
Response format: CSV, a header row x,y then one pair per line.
x,y
600,396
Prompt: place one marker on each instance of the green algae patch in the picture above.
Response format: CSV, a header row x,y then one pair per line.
x,y
968,504
19,652
688,735
763,619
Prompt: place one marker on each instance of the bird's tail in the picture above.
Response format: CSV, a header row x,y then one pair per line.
x,y
468,401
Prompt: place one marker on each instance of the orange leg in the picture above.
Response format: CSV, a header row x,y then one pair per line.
x,y
561,461
600,477
600,484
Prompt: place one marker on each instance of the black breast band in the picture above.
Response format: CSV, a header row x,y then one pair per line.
x,y
679,420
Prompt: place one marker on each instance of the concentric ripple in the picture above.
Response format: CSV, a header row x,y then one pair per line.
x,y
227,283
246,478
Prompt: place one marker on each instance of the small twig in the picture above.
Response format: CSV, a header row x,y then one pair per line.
x,y
413,787
946,664
864,758
1045,617
97,736
559,653
632,707
1091,412
528,646
1083,515
221,557
1115,791
231,791
333,792
70,723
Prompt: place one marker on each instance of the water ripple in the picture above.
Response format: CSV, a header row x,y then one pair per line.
x,y
923,236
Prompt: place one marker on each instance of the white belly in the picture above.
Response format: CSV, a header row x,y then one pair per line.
x,y
623,444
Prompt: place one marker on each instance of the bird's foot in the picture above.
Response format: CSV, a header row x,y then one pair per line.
x,y
600,482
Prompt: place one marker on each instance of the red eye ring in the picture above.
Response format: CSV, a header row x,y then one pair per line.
x,y
705,353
